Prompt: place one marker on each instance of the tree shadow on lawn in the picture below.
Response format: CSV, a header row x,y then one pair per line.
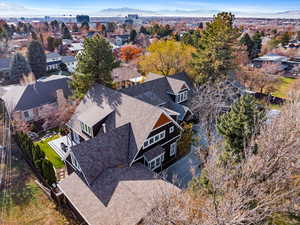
x,y
22,188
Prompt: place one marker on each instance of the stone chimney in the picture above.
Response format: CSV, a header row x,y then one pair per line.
x,y
60,98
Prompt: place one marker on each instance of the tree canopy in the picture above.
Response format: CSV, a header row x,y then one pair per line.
x,y
37,59
95,64
238,125
167,57
19,67
214,59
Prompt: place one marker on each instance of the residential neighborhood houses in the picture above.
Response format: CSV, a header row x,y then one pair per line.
x,y
119,117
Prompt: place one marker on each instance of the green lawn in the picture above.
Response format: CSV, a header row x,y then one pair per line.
x,y
50,153
284,86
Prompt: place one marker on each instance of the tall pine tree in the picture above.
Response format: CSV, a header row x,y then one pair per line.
x,y
247,41
95,64
214,59
37,59
239,125
19,67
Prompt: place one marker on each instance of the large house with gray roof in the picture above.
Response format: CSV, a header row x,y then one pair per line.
x,y
120,140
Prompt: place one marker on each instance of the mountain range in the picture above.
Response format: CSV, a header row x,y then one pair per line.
x,y
11,9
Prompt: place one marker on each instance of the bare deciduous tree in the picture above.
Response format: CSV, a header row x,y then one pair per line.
x,y
263,185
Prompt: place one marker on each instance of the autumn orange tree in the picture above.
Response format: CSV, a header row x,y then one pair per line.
x,y
129,52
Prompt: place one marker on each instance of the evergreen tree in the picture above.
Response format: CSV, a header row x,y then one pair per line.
x,y
239,125
51,44
257,44
34,36
285,38
66,33
37,59
19,67
133,35
38,157
75,27
201,26
143,30
48,172
95,64
214,59
247,41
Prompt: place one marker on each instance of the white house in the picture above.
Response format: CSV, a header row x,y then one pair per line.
x,y
70,62
53,61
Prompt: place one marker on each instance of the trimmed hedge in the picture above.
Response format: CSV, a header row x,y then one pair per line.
x,y
37,157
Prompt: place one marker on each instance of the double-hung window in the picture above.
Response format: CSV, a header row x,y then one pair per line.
x,y
154,139
86,129
156,162
181,97
173,149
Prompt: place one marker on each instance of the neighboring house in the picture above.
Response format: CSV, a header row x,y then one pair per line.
x,y
53,61
284,63
70,62
75,48
4,68
126,76
32,102
120,39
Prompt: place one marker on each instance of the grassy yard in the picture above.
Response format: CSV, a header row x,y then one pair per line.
x,y
284,86
26,204
50,153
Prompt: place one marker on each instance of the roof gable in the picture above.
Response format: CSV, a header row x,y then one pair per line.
x,y
163,119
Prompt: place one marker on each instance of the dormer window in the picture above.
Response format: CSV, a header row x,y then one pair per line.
x,y
181,97
86,129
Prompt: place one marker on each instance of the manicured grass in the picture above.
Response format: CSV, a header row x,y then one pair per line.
x,y
50,153
284,86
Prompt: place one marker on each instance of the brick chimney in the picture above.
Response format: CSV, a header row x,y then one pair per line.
x,y
61,100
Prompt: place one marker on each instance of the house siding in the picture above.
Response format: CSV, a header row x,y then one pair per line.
x,y
165,143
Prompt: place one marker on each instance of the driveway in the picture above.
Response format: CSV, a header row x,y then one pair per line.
x,y
183,171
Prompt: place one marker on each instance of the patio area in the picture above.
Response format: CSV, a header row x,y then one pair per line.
x,y
57,145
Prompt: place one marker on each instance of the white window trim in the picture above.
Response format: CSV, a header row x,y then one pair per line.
x,y
172,129
74,162
181,97
172,153
161,158
87,129
160,136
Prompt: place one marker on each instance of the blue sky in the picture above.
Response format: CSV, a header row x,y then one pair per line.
x,y
244,6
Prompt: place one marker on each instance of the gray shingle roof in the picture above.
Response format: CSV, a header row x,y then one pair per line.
x,y
126,109
104,151
68,59
156,151
119,196
52,55
124,73
20,98
161,86
150,98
